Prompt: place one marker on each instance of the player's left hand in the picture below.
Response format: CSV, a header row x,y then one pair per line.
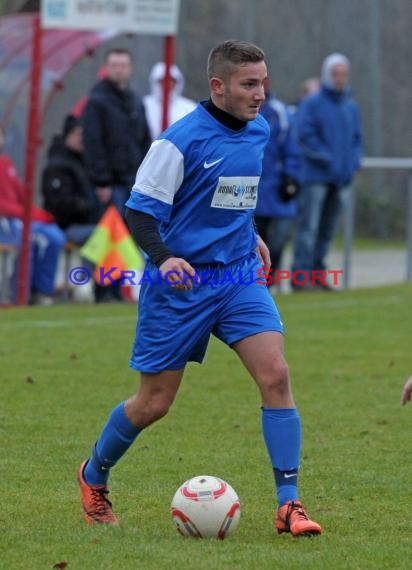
x,y
407,392
263,252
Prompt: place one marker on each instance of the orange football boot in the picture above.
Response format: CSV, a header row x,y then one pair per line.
x,y
292,518
96,506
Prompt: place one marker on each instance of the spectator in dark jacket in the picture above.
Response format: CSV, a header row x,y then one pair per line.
x,y
276,205
329,133
70,197
116,133
68,193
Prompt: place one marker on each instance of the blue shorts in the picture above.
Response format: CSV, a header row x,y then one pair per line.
x,y
174,326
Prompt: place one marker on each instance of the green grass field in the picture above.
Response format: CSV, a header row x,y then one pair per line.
x,y
64,368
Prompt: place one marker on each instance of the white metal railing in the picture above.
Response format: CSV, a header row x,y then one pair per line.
x,y
390,163
381,163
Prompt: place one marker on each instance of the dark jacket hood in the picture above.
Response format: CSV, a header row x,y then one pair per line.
x,y
59,149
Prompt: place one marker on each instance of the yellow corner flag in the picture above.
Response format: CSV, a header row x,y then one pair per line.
x,y
111,248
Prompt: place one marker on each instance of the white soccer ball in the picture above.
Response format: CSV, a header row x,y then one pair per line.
x,y
206,507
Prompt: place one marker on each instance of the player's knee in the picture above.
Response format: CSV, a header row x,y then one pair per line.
x,y
276,377
159,408
156,409
143,411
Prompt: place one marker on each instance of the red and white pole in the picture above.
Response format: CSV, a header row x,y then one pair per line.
x,y
30,163
169,54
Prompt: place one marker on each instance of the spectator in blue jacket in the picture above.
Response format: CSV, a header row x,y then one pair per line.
x,y
329,133
276,206
115,131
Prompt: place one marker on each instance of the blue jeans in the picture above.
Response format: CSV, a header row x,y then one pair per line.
x,y
47,241
79,233
319,208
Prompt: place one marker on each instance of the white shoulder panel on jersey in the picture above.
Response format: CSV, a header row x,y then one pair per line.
x,y
161,172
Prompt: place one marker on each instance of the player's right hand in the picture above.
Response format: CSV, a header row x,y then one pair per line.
x,y
177,272
104,194
263,252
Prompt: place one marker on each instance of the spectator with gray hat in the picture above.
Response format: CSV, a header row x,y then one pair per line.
x,y
330,136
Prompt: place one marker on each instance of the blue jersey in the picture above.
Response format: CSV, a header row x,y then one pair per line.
x,y
200,181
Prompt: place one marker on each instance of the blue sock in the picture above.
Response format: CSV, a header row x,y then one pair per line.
x,y
117,436
282,435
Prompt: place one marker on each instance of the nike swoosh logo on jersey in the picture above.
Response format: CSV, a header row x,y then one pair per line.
x,y
210,164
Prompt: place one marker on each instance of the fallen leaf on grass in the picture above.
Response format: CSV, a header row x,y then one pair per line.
x,y
60,565
29,380
382,422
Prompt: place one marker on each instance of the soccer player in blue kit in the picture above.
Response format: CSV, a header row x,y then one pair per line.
x,y
191,210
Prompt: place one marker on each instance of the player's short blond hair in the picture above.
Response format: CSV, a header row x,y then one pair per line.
x,y
225,58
